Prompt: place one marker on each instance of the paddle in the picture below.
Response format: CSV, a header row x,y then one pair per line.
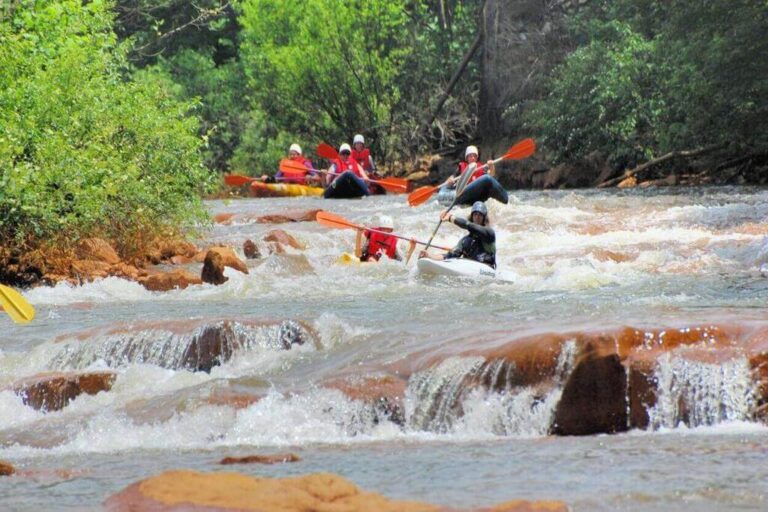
x,y
335,221
519,151
397,185
16,306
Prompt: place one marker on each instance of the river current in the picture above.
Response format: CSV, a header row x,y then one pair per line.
x,y
579,260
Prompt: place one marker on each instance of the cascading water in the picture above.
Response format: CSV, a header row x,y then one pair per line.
x,y
701,394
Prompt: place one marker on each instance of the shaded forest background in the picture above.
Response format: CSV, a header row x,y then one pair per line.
x,y
116,116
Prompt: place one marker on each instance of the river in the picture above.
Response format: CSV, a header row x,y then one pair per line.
x,y
579,260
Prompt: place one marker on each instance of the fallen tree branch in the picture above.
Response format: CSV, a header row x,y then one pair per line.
x,y
656,161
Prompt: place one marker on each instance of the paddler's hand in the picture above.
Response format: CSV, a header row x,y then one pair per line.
x,y
491,167
423,254
446,217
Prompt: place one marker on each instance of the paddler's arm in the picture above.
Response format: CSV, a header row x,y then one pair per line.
x,y
486,234
411,248
491,168
358,242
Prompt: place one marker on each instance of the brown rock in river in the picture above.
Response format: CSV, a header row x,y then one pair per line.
x,y
281,237
51,392
96,249
275,458
281,218
229,258
6,468
165,281
194,491
251,250
213,269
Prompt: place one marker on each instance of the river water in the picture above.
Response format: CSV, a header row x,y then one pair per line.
x,y
579,260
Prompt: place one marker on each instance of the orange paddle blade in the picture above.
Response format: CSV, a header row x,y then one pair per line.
x,y
237,180
287,164
522,149
327,151
392,185
421,195
335,221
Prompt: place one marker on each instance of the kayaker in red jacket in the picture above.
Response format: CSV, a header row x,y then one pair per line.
x,y
345,163
302,177
371,245
362,154
471,156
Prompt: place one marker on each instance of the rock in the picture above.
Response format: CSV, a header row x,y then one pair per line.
x,y
629,182
251,250
385,393
126,271
88,270
6,468
233,491
51,392
418,176
96,249
229,258
213,269
281,218
281,237
275,458
223,218
594,397
165,281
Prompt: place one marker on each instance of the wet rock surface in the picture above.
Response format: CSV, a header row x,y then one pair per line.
x,y
52,392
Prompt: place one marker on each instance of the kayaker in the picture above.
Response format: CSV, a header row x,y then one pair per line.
x,y
471,156
345,163
362,154
371,245
301,177
478,245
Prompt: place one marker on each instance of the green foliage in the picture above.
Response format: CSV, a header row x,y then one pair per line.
x,y
656,76
82,150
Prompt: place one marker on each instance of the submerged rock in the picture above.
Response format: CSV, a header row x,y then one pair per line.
x,y
51,392
275,458
164,281
251,250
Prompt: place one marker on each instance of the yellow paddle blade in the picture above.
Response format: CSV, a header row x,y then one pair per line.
x,y
16,306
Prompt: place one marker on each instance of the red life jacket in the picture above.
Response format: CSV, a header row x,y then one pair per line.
x,y
380,243
478,171
349,165
295,175
363,158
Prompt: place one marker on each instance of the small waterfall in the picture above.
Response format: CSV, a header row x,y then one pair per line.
x,y
474,395
698,394
200,350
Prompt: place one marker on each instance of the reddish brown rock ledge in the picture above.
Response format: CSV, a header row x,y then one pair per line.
x,y
194,491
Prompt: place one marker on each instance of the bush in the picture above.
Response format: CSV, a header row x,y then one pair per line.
x,y
83,151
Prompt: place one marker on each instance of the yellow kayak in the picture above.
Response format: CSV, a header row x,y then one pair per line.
x,y
260,189
348,258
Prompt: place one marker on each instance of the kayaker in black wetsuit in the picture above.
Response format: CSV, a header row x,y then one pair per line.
x,y
478,245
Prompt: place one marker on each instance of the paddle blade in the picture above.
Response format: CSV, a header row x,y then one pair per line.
x,y
335,221
420,195
522,149
288,165
237,180
16,306
395,185
327,151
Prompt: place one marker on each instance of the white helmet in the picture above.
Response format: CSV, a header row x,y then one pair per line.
x,y
471,150
358,138
345,147
385,221
295,147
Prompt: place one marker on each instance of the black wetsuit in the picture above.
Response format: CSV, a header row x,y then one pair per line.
x,y
478,245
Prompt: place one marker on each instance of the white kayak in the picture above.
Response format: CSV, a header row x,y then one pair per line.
x,y
460,267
